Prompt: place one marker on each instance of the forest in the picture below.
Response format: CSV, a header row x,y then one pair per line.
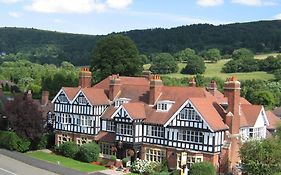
x,y
54,47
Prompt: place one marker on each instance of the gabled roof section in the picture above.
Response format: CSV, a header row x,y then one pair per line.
x,y
206,108
250,113
135,110
96,96
71,92
108,113
272,119
62,91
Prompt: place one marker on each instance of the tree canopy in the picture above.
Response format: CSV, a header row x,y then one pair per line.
x,y
115,54
194,65
164,63
212,55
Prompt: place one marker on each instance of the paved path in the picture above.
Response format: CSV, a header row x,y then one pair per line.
x,y
37,163
9,166
108,172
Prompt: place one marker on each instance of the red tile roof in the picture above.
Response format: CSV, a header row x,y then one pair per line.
x,y
135,110
96,96
104,136
250,113
272,119
71,91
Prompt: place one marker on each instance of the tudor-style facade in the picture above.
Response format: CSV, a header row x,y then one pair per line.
x,y
139,117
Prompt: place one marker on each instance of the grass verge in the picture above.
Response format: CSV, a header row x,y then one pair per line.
x,y
66,162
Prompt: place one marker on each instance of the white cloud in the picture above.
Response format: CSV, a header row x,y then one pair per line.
x,y
118,4
278,16
256,2
210,2
15,14
10,1
76,6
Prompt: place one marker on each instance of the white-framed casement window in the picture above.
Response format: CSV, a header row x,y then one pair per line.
x,y
121,101
63,99
257,133
193,159
86,120
190,136
154,155
155,131
82,100
82,140
125,129
106,148
63,138
189,114
65,118
164,105
110,126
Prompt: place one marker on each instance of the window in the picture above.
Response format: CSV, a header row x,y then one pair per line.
x,y
82,140
82,100
107,149
125,129
120,101
63,99
193,159
65,118
63,138
162,107
189,114
190,136
110,126
154,155
86,121
155,131
256,133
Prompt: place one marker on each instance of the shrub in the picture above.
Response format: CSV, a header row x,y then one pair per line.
x,y
68,149
145,167
202,168
88,152
125,160
113,158
11,141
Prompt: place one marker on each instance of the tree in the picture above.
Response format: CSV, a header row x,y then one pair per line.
x,y
24,118
194,65
185,54
277,74
202,168
115,54
164,63
242,53
261,157
212,55
264,97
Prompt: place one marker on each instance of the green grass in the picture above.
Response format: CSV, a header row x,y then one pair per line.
x,y
214,70
66,162
264,56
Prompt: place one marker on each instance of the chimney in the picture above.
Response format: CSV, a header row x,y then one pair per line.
x,y
29,95
192,82
114,86
212,88
155,90
45,98
85,78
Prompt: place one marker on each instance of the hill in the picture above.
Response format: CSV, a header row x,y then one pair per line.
x,y
261,36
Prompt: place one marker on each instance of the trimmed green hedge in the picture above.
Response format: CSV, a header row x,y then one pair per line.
x,y
88,152
11,141
68,149
202,168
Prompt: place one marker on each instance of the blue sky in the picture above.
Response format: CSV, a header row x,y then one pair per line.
x,y
106,16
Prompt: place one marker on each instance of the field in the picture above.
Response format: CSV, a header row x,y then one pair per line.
x,y
66,162
263,56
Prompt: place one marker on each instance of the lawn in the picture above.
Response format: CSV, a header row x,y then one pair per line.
x,y
264,56
214,70
66,162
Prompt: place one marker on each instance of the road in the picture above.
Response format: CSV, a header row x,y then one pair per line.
x,y
9,166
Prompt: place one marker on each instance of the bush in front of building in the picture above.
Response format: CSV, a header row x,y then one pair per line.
x,y
202,168
11,141
68,149
149,168
88,152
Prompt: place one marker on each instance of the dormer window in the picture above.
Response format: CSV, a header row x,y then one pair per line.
x,y
120,101
164,105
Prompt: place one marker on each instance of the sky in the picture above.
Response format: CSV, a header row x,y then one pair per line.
x,y
97,17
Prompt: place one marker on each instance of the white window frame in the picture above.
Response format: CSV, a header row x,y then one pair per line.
x,y
82,100
189,114
190,136
124,129
155,131
154,155
62,99
110,125
106,149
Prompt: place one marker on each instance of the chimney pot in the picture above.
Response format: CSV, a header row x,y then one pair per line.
x,y
85,78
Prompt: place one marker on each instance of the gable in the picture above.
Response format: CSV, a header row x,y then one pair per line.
x,y
81,99
262,119
61,97
122,115
188,116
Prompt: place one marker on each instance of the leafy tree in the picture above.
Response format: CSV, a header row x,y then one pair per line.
x,y
115,54
242,53
144,59
202,168
277,74
194,65
261,157
88,152
67,65
241,65
24,118
271,63
185,54
264,97
11,141
164,63
212,55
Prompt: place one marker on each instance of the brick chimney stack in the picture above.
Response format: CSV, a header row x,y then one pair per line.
x,y
192,82
232,118
85,78
155,89
45,98
114,86
212,88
